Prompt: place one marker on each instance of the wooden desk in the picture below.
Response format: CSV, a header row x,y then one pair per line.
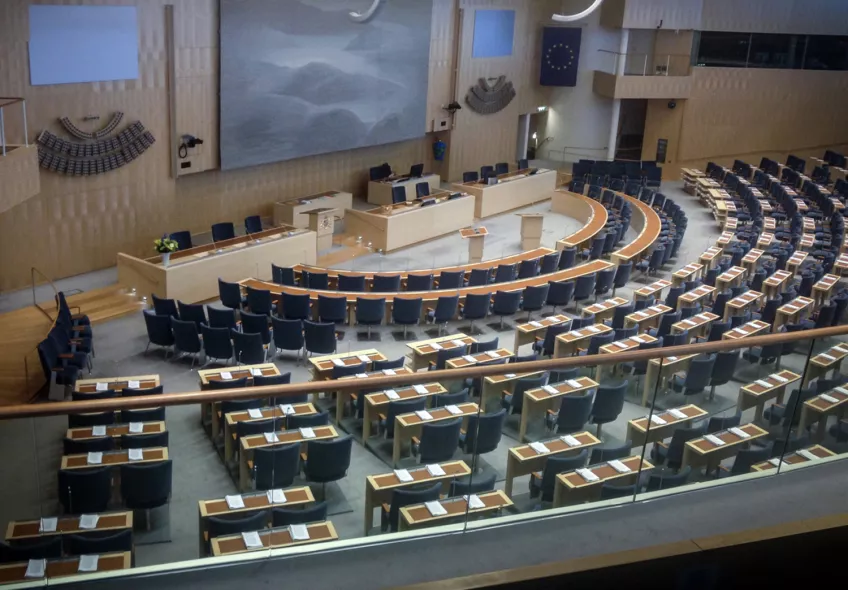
x,y
192,275
641,431
820,364
693,297
690,178
531,230
660,370
114,458
476,237
589,212
210,412
752,259
807,243
116,383
63,567
567,343
391,227
470,360
321,367
540,400
409,425
817,409
423,352
115,431
647,222
753,328
710,257
817,451
523,460
378,488
380,191
742,303
419,516
276,412
277,538
513,190
247,444
653,290
343,397
698,326
823,289
624,345
700,451
793,264
730,224
294,213
572,488
531,331
765,240
793,312
603,310
724,240
494,386
756,394
646,318
376,401
776,283
690,272
18,530
732,277
769,224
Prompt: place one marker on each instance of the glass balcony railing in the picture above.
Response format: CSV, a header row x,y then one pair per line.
x,y
644,64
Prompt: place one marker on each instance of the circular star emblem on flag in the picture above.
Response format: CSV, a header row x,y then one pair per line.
x,y
560,53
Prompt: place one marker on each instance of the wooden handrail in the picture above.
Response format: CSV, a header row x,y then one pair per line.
x,y
294,389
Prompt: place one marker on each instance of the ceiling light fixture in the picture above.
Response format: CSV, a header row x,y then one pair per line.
x,y
568,18
364,17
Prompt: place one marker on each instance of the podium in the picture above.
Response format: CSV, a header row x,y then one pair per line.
x,y
531,230
323,223
475,237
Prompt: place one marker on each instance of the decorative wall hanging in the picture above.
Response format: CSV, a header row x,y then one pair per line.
x,y
364,17
88,159
486,98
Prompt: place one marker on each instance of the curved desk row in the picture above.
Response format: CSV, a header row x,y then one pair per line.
x,y
647,222
580,207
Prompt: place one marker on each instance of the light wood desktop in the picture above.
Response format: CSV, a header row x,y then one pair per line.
x,y
192,275
792,459
513,190
589,212
817,409
531,230
247,444
344,396
397,226
641,432
770,387
63,567
539,402
753,328
494,387
210,413
623,345
572,488
276,538
824,362
476,237
18,530
115,458
535,330
418,515
569,343
523,460
377,403
604,310
115,431
116,383
231,419
701,452
697,326
658,373
408,426
294,213
380,191
423,352
321,367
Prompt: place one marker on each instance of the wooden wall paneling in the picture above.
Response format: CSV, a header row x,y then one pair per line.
x,y
662,122
812,17
674,14
673,48
19,176
612,14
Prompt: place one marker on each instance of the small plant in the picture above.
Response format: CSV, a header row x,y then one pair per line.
x,y
165,245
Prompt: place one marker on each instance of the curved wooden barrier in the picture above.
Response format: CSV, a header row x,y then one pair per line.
x,y
649,232
580,207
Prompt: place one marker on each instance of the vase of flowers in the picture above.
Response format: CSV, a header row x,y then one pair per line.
x,y
165,247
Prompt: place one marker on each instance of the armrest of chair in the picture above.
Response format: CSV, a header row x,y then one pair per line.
x,y
505,392
416,440
551,413
303,456
432,363
66,356
536,475
250,464
381,416
386,507
662,444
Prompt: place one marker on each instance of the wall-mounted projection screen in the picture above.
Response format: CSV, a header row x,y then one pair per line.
x,y
69,44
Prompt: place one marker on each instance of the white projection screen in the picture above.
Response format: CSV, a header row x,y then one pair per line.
x,y
69,44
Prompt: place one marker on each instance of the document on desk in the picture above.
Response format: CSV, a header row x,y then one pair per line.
x,y
338,362
287,409
763,384
256,372
638,339
271,437
420,389
739,432
510,376
619,466
807,454
88,521
587,475
101,387
779,378
457,342
593,330
424,414
435,470
35,568
494,354
276,496
48,525
307,432
540,448
657,420
299,532
94,458
574,384
136,427
364,358
134,385
254,413
234,502
550,389
474,502
714,440
823,355
570,440
436,346
841,390
470,358
98,431
776,461
828,398
362,375
226,375
403,476
536,324
453,410
135,454
88,563
389,372
677,414
435,508
252,540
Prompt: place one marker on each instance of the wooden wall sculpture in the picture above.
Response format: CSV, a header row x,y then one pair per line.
x,y
487,98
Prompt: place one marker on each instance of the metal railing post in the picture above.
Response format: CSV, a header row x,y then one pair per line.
x,y
645,66
2,132
26,133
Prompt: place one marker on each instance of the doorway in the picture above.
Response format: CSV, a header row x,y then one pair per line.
x,y
631,129
531,134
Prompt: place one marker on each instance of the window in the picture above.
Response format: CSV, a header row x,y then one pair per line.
x,y
826,53
761,50
776,51
728,50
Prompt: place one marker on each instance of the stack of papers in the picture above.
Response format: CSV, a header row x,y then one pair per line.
x,y
424,414
420,389
807,455
776,461
135,454
657,420
88,521
48,525
593,330
435,470
510,376
98,431
620,344
638,339
287,409
453,410
392,394
136,427
35,568
234,502
435,508
134,385
364,358
307,433
252,540
94,458
87,563
536,324
828,398
436,346
389,372
276,496
619,466
823,355
470,358
338,362
550,389
256,372
101,387
762,383
271,437
540,448
226,375
574,383
677,413
457,342
494,354
841,390
254,413
299,532
570,440
474,502
362,375
779,378
403,476
714,440
739,432
587,475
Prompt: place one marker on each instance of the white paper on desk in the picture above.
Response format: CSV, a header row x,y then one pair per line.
x,y
739,432
457,342
338,362
256,372
362,375
510,376
570,440
779,378
638,339
134,384
271,437
364,358
619,466
494,354
254,413
640,314
88,521
299,532
307,433
470,358
403,476
424,414
101,387
828,398
35,568
48,525
536,324
435,508
688,323
287,409
136,454
620,344
592,330
136,427
540,448
841,390
550,389
234,502
775,461
574,383
389,372
671,359
420,389
762,383
94,458
474,502
714,440
807,455
739,331
391,394
453,410
827,356
276,496
587,475
98,431
657,420
226,375
435,470
252,540
436,346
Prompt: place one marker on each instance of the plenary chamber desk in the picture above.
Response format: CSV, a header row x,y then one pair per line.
x,y
380,191
513,190
397,226
295,212
192,275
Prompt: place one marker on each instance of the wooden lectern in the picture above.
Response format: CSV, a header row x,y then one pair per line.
x,y
475,237
323,223
531,230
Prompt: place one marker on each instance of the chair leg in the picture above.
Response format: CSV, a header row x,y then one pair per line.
x,y
598,433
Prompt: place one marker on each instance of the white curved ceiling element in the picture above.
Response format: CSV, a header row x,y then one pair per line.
x,y
568,18
364,17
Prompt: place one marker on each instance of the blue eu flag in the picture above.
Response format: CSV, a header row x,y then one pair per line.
x,y
560,54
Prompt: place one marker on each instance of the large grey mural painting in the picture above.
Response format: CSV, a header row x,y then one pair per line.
x,y
303,77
